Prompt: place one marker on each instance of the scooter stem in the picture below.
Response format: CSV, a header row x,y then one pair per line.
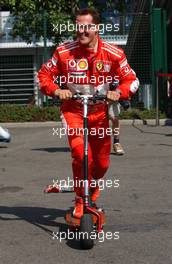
x,y
86,187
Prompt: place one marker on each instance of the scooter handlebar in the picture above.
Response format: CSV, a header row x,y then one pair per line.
x,y
124,103
90,97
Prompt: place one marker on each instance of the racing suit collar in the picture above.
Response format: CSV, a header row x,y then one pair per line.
x,y
90,52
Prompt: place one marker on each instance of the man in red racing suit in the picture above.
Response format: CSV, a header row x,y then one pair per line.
x,y
87,65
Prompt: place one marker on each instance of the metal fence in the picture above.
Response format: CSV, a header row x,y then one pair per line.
x,y
20,61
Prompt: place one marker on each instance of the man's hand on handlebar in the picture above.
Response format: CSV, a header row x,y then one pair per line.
x,y
63,94
113,96
66,94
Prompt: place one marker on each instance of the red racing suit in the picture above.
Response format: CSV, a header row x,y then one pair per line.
x,y
85,71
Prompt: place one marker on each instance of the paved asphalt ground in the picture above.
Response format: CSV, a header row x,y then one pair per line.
x,y
140,209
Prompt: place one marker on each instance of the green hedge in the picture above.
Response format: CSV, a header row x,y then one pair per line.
x,y
137,114
16,113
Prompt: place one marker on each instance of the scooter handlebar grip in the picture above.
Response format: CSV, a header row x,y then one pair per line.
x,y
125,104
100,97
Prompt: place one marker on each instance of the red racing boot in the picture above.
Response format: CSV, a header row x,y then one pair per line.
x,y
79,207
52,189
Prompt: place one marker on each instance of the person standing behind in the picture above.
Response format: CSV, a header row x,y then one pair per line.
x,y
114,112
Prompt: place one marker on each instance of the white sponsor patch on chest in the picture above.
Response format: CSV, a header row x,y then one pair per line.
x,y
77,65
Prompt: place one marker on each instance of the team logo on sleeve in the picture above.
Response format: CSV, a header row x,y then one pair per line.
x,y
54,61
49,64
125,68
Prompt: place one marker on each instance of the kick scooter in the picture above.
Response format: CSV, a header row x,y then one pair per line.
x,y
93,218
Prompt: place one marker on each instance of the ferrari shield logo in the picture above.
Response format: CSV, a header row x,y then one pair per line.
x,y
99,66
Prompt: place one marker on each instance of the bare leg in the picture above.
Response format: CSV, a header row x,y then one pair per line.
x,y
116,130
118,149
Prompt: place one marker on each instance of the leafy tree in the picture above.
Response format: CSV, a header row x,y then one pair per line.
x,y
30,16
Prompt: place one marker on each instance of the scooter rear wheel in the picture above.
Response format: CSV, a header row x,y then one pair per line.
x,y
86,229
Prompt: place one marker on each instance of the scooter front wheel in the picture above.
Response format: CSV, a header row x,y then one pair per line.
x,y
86,231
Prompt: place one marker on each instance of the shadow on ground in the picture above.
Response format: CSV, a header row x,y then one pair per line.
x,y
53,150
37,216
43,218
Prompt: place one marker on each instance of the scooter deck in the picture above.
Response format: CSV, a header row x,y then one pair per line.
x,y
75,222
